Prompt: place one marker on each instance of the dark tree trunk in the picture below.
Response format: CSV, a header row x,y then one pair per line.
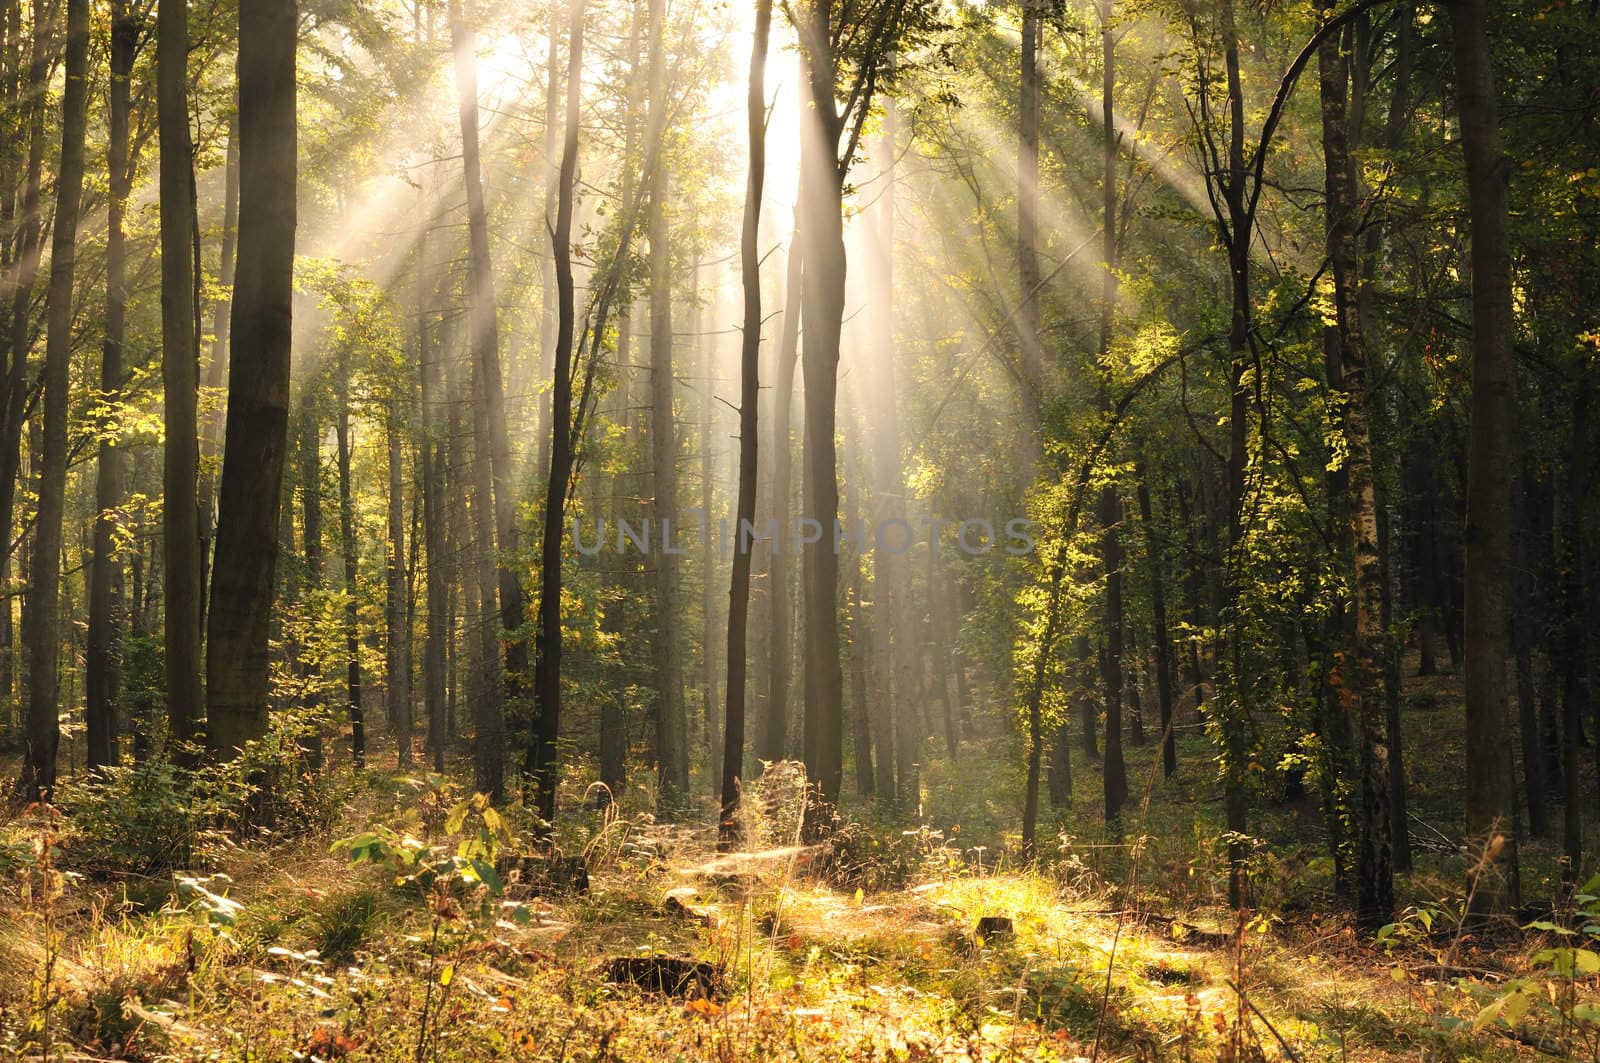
x,y
347,540
822,241
217,367
1028,218
41,615
435,455
1491,791
22,277
672,725
541,761
179,378
257,436
1361,688
397,635
1115,776
310,454
102,677
1154,560
499,510
749,393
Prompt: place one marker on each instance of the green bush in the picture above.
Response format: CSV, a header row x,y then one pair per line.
x,y
153,817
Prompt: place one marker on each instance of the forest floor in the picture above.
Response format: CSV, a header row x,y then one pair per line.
x,y
886,945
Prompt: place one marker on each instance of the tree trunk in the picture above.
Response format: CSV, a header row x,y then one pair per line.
x,y
179,378
42,612
780,637
1028,218
397,638
347,540
102,677
541,760
23,278
1115,775
435,456
822,239
1154,560
257,435
1360,688
490,423
217,367
672,725
1491,791
311,534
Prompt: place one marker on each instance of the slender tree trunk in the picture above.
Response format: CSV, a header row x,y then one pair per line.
x,y
541,761
179,378
491,420
397,637
1155,561
244,579
22,277
347,540
780,636
1028,216
434,457
217,367
710,703
1361,689
672,725
1575,690
1491,791
310,454
1115,775
42,612
102,677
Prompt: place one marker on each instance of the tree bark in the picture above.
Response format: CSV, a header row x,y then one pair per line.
x,y
672,725
256,440
102,678
179,378
1154,561
490,424
1359,688
1491,792
42,611
347,541
822,241
780,637
541,760
1115,775
397,636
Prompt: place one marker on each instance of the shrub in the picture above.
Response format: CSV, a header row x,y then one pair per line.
x,y
153,817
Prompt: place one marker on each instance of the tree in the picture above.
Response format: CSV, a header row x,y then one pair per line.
x,y
541,760
1491,790
749,393
830,136
672,724
101,672
1358,687
257,434
42,612
497,528
180,548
